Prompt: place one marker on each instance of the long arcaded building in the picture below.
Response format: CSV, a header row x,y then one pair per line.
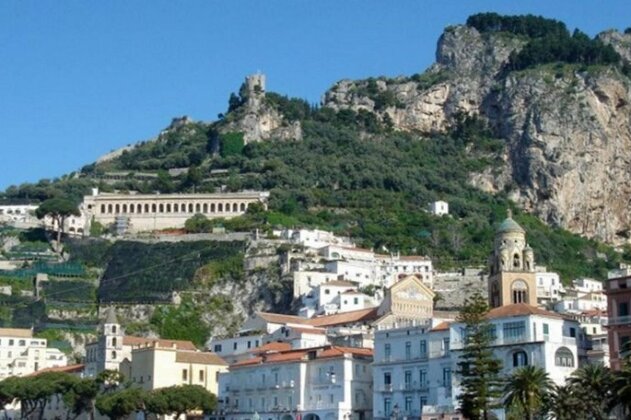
x,y
147,212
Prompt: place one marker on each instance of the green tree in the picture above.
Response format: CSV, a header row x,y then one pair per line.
x,y
79,396
622,389
179,400
527,390
594,383
478,369
163,183
198,224
121,403
564,404
58,209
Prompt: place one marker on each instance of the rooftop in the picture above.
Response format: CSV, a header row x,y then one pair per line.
x,y
65,369
199,357
297,355
360,315
520,309
16,332
130,340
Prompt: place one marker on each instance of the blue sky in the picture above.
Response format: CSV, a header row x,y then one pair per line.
x,y
80,78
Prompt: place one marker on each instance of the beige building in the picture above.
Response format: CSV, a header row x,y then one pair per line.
x,y
154,365
512,276
147,212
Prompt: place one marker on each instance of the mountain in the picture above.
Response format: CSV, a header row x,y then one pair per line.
x,y
559,101
516,112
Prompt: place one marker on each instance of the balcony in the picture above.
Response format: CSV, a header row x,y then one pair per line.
x,y
618,320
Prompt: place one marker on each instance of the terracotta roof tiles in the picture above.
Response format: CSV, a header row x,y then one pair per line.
x,y
519,309
361,315
198,357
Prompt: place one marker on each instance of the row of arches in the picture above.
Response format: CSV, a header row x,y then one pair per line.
x,y
192,208
563,357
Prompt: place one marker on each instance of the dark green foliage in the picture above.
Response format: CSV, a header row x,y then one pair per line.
x,y
198,224
628,31
478,368
429,79
549,41
89,252
149,272
121,403
69,291
231,144
178,400
293,109
593,386
528,25
182,322
527,391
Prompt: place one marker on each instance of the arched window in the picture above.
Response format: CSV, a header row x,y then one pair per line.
x,y
169,208
153,208
520,358
176,208
124,208
109,208
516,263
242,207
205,208
564,357
161,208
212,207
114,342
132,208
117,209
198,208
234,207
102,208
220,208
190,208
113,354
113,329
519,291
146,208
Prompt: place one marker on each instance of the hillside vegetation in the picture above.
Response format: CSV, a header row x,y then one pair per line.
x,y
351,173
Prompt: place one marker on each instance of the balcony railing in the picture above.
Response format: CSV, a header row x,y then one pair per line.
x,y
618,320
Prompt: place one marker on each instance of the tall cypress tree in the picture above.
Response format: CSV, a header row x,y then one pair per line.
x,y
478,369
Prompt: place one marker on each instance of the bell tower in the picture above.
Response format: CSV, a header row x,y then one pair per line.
x,y
512,267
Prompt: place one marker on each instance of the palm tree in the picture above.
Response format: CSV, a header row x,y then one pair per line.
x,y
622,389
527,390
594,383
565,404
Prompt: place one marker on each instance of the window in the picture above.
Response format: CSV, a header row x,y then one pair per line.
x,y
422,377
573,332
519,291
446,343
408,404
387,378
234,345
564,357
387,406
423,348
408,350
423,401
447,377
114,342
217,348
387,350
184,374
22,343
249,344
113,329
408,379
201,376
520,358
514,331
356,301
327,292
623,309
546,329
113,355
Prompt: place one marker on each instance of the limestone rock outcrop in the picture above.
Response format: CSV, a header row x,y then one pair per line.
x,y
567,127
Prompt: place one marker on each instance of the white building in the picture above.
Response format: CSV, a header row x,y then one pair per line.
x,y
415,365
439,208
148,212
585,285
22,354
17,212
327,382
391,268
314,238
582,302
549,286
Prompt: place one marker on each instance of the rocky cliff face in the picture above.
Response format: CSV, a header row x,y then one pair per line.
x,y
257,119
567,127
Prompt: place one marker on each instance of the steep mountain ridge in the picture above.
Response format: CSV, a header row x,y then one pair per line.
x,y
567,126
